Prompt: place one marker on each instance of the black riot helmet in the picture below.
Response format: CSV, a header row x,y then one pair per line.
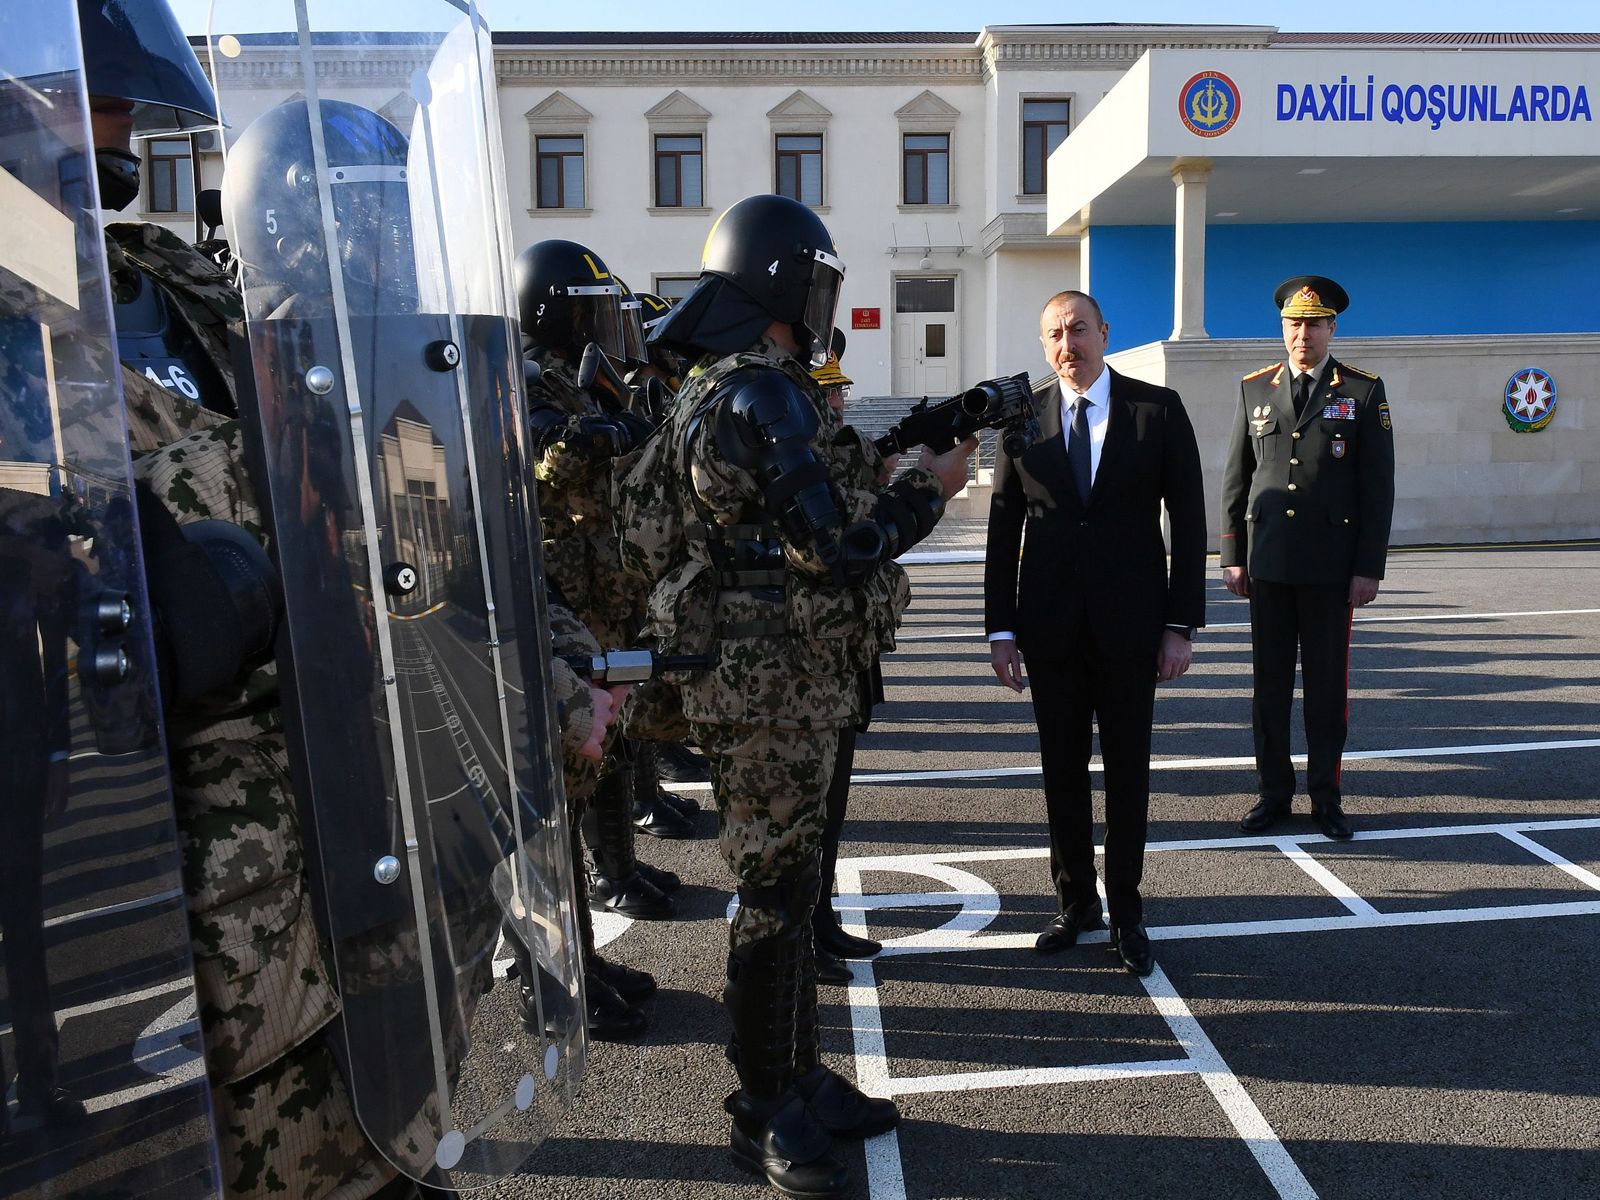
x,y
768,258
274,210
133,51
567,297
632,326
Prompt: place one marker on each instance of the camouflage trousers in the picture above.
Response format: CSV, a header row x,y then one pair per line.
x,y
770,786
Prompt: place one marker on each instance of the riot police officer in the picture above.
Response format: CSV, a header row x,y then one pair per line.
x,y
770,554
568,299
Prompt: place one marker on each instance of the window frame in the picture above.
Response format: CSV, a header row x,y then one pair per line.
x,y
1024,125
182,204
539,158
658,155
779,154
925,154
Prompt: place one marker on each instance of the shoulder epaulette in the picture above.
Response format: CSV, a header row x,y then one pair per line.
x,y
1261,372
1357,370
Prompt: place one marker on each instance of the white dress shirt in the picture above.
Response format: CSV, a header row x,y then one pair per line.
x,y
1099,417
1315,373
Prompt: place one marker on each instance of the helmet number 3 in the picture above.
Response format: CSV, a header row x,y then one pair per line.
x,y
772,269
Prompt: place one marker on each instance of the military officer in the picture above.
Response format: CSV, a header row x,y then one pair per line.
x,y
1307,495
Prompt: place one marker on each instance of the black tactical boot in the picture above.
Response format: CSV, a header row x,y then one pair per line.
x,y
775,1133
664,881
616,884
656,811
679,764
841,1107
651,765
611,1018
630,983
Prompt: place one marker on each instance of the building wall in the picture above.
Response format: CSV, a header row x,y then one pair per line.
x,y
1461,474
1410,278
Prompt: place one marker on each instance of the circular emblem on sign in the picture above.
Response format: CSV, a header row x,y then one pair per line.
x,y
1530,400
1209,104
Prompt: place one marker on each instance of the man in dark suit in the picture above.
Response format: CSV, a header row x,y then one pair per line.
x,y
1307,495
1094,606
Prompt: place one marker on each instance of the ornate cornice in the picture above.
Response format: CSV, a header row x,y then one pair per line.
x,y
673,67
1041,48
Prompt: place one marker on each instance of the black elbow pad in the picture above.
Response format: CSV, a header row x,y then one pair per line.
x,y
907,515
765,425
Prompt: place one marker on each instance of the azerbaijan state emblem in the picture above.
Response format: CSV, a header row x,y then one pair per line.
x,y
1208,104
1530,400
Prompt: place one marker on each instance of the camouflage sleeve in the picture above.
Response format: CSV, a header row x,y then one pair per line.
x,y
201,475
573,706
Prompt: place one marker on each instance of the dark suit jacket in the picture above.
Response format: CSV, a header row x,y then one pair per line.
x,y
1309,501
1105,560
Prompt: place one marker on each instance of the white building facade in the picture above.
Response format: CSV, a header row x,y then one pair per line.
x,y
932,157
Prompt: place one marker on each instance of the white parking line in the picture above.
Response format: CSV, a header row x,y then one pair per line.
x,y
978,902
1376,619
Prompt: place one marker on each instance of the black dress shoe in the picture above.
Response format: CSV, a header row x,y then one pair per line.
x,y
832,969
843,1109
631,896
1064,930
1331,820
828,936
1133,947
783,1141
1264,815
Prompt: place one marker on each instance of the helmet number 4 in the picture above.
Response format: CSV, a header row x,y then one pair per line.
x,y
773,268
177,380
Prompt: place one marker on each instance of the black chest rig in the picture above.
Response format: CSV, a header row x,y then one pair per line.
x,y
156,342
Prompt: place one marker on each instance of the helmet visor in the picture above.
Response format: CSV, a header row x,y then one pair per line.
x,y
633,330
596,314
822,302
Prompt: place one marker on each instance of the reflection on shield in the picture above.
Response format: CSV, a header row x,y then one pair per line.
x,y
384,407
93,928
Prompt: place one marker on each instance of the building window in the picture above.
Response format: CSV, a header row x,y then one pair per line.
x,y
673,288
1044,127
678,167
560,172
171,175
925,170
800,167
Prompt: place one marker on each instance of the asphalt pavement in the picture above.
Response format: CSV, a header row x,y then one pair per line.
x,y
1413,1013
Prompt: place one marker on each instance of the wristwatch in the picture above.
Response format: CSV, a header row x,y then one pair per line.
x,y
1186,630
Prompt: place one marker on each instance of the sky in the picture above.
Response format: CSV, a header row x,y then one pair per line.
x,y
1478,16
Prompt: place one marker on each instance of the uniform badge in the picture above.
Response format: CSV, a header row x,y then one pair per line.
x,y
1339,445
1342,409
1383,414
1259,416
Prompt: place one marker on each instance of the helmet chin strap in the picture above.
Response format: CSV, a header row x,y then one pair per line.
x,y
118,174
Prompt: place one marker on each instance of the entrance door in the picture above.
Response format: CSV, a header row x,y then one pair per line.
x,y
926,336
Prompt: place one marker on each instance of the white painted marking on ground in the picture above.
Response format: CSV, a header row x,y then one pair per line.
x,y
1236,1103
1377,619
1330,882
1197,764
1585,877
973,1081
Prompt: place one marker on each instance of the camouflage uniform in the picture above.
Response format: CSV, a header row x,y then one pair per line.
x,y
785,663
580,544
265,978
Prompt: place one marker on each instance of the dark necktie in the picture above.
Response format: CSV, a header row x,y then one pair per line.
x,y
1302,394
1078,447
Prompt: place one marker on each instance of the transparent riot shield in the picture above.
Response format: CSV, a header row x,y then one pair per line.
x,y
388,417
101,1072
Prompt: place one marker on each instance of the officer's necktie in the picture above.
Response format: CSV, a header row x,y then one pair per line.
x,y
1302,393
1078,447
